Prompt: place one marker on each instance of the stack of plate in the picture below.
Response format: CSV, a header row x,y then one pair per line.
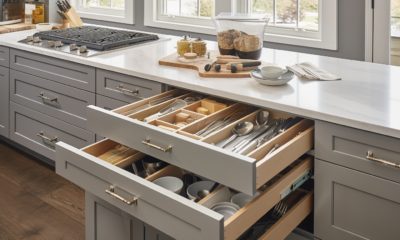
x,y
283,79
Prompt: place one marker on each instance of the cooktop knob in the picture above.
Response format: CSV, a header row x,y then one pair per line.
x,y
83,49
36,39
29,39
51,43
58,43
73,47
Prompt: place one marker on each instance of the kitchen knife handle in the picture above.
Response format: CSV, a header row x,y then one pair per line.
x,y
251,64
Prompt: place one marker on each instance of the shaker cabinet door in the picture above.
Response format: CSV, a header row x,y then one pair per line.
x,y
351,205
4,101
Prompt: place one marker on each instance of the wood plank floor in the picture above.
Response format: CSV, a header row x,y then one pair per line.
x,y
35,202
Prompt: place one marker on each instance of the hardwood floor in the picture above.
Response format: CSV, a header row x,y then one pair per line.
x,y
35,202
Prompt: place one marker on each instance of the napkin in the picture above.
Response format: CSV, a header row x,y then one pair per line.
x,y
311,72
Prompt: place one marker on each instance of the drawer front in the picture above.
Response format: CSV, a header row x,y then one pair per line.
x,y
108,82
4,101
65,72
38,93
352,205
348,147
158,207
108,104
4,56
26,124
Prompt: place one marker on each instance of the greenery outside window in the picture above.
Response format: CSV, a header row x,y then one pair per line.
x,y
395,18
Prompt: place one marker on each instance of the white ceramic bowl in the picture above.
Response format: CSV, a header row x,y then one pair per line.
x,y
272,72
44,26
193,189
173,184
242,199
226,209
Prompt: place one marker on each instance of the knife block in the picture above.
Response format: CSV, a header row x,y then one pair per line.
x,y
73,18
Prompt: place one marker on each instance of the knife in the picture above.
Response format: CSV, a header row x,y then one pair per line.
x,y
66,3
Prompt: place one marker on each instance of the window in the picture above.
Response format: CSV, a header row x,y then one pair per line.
x,y
395,18
107,10
310,23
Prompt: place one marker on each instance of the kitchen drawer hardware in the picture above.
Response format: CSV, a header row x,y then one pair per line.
x,y
46,98
111,192
296,184
46,138
370,156
147,142
124,90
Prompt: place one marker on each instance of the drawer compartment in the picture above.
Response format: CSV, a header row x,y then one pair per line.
x,y
57,100
353,205
118,86
4,101
26,125
4,56
171,213
65,72
197,154
349,147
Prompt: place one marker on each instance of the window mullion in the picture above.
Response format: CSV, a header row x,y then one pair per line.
x,y
274,12
298,13
198,8
180,7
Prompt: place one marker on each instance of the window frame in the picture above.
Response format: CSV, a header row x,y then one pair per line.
x,y
325,38
105,13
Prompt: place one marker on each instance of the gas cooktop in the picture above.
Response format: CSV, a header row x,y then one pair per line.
x,y
89,40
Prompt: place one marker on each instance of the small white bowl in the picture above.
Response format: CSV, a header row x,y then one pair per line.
x,y
242,199
272,72
193,189
173,184
44,26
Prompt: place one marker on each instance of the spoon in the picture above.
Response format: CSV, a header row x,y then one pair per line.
x,y
262,119
204,193
239,130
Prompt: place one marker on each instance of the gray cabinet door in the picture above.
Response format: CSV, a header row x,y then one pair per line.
x,y
35,93
27,124
108,82
65,72
4,101
4,56
351,205
108,104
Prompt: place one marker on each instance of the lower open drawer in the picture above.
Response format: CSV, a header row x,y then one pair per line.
x,y
169,212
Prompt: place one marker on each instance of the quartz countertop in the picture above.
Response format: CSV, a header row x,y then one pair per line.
x,y
367,97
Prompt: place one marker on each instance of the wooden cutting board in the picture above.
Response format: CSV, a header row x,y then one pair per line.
x,y
172,60
19,27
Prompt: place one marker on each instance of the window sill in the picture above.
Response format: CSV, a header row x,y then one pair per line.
x,y
181,27
108,18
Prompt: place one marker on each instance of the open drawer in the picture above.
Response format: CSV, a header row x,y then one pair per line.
x,y
169,212
182,148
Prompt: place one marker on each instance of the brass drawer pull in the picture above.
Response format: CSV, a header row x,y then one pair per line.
x,y
111,192
147,142
46,98
124,90
46,138
370,156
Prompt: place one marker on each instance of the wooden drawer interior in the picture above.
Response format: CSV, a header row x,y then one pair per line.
x,y
253,211
293,142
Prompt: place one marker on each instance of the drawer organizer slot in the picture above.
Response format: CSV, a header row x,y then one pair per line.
x,y
196,152
232,228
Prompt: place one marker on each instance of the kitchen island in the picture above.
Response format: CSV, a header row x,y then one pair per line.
x,y
352,116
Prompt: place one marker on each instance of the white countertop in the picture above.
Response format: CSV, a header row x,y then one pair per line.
x,y
367,98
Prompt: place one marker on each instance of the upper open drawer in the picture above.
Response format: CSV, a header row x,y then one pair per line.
x,y
201,155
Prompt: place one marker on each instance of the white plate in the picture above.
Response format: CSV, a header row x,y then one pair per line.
x,y
283,79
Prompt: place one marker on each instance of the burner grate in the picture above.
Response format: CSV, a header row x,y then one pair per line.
x,y
98,38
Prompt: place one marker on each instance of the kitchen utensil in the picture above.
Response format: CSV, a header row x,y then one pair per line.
x,y
152,165
295,121
241,65
285,126
276,146
239,130
177,104
193,189
285,78
173,184
204,193
272,72
226,209
189,179
242,199
148,105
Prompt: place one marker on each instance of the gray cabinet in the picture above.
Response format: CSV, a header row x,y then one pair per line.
x,y
4,101
54,99
117,86
351,205
65,72
4,56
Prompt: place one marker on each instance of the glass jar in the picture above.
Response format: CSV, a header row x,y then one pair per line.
x,y
241,34
184,46
199,46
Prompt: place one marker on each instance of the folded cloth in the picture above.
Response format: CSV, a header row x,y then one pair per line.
x,y
310,71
